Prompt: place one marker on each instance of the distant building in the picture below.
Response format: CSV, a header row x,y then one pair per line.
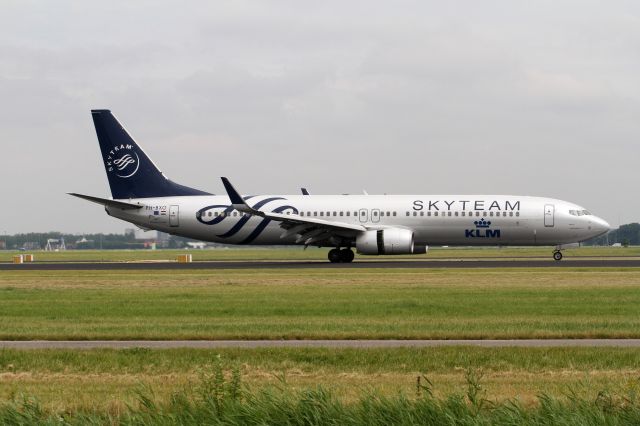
x,y
145,235
196,245
152,239
31,245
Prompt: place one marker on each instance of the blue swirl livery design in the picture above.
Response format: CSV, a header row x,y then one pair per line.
x,y
224,212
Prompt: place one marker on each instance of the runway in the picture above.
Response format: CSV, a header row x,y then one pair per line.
x,y
358,264
358,344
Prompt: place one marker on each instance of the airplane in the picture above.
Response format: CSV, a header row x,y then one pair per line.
x,y
372,224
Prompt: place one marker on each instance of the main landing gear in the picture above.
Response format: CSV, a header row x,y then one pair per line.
x,y
557,255
341,256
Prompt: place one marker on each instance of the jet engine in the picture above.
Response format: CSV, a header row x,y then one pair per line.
x,y
388,241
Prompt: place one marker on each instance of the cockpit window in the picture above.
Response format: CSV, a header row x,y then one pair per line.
x,y
579,213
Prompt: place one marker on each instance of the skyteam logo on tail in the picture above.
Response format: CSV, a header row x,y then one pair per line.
x,y
122,160
482,230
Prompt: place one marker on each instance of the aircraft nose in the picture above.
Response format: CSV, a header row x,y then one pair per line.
x,y
601,225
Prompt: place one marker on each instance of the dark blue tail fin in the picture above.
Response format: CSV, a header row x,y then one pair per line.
x,y
131,173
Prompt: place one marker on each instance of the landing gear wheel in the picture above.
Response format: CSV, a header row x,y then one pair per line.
x,y
346,255
557,256
334,256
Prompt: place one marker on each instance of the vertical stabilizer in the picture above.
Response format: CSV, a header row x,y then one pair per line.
x,y
130,171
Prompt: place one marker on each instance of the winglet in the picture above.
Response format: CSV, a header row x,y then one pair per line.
x,y
304,191
237,201
233,194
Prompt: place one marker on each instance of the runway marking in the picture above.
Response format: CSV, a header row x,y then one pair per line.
x,y
451,263
253,344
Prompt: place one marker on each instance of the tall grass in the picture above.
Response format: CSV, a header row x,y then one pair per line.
x,y
220,398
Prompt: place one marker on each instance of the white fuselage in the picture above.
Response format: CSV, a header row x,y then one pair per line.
x,y
470,220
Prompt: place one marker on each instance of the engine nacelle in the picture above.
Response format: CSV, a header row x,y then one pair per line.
x,y
388,241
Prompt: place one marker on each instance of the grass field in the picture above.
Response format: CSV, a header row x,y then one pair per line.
x,y
141,386
107,380
318,304
313,254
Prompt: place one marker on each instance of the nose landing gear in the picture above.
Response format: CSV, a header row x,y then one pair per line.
x,y
341,256
557,255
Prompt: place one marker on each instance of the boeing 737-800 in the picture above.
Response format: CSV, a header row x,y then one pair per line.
x,y
372,224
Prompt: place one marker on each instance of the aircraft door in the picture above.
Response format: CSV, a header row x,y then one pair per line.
x,y
375,215
363,215
174,216
549,213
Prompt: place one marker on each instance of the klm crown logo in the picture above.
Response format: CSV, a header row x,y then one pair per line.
x,y
482,230
482,223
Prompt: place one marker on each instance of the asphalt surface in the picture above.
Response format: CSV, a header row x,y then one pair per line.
x,y
382,264
216,344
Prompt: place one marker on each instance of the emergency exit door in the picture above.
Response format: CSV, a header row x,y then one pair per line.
x,y
549,212
174,216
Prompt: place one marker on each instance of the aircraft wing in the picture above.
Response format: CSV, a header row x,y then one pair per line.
x,y
309,230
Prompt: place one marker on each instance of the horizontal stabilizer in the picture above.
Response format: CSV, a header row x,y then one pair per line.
x,y
107,202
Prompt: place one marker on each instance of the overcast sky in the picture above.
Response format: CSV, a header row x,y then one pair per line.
x,y
425,97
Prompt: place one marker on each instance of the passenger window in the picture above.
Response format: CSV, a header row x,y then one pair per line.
x,y
511,214
388,214
456,213
463,213
491,214
415,213
394,213
315,213
341,213
375,213
348,213
407,213
435,213
321,213
517,213
421,213
428,213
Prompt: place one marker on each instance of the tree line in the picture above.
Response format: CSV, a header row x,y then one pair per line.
x,y
38,240
625,235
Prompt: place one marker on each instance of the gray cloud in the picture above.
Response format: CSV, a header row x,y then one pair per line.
x,y
538,98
